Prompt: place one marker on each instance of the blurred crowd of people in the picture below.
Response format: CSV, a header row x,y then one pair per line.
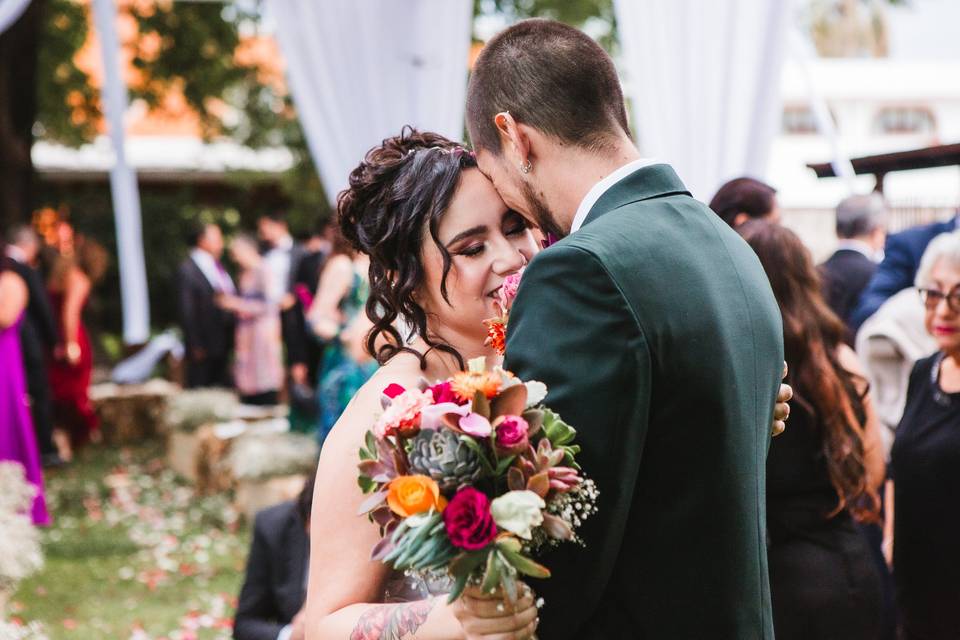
x,y
46,357
861,537
289,325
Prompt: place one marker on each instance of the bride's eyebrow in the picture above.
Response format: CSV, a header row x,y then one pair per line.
x,y
472,231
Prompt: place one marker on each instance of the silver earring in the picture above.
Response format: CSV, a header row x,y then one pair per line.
x,y
526,167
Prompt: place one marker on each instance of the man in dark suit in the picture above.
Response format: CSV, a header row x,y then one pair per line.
x,y
283,257
207,328
901,257
271,600
862,230
654,327
38,336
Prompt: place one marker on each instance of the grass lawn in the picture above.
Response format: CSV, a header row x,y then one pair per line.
x,y
133,553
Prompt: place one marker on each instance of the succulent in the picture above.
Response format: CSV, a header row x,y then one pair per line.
x,y
441,455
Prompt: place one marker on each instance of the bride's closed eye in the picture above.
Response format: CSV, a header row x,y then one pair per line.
x,y
514,224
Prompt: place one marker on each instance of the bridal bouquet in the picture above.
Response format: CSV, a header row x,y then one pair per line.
x,y
472,477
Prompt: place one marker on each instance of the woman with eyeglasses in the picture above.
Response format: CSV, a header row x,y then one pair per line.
x,y
925,462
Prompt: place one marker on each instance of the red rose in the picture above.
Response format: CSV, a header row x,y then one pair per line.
x,y
511,434
468,520
443,393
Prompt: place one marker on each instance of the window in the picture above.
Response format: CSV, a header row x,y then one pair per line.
x,y
799,120
897,120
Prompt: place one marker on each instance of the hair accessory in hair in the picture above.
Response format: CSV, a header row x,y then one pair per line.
x,y
457,151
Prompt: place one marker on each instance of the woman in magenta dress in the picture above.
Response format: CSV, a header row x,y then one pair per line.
x,y
18,442
79,264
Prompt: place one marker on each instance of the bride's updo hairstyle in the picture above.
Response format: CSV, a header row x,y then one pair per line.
x,y
394,203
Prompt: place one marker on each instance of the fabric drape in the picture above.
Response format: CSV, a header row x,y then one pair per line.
x,y
360,70
703,80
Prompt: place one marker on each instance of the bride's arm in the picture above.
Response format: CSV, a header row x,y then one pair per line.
x,y
345,585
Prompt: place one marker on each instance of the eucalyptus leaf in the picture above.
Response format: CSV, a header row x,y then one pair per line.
x,y
525,565
459,584
491,577
504,464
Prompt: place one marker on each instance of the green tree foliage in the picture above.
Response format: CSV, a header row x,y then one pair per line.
x,y
595,16
67,103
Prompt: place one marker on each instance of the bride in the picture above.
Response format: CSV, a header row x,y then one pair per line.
x,y
440,242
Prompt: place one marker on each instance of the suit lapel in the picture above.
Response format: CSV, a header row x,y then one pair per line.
x,y
652,181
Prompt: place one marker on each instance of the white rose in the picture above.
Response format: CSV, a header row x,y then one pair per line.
x,y
536,392
518,512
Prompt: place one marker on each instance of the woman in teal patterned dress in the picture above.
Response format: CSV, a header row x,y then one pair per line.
x,y
337,317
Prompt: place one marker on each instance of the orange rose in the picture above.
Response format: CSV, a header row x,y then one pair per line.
x,y
410,495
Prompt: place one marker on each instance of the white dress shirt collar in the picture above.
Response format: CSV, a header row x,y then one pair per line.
x,y
602,187
860,247
208,266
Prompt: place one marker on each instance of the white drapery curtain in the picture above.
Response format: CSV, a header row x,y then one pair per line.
x,y
10,11
361,69
704,81
123,183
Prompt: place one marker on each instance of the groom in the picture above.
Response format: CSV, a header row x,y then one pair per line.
x,y
655,328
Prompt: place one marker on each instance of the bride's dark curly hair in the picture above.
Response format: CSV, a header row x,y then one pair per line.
x,y
396,196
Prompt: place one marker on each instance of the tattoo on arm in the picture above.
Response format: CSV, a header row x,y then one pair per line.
x,y
392,621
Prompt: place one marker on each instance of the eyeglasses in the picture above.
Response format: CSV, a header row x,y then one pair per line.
x,y
932,297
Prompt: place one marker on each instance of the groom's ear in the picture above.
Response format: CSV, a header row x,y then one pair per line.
x,y
513,138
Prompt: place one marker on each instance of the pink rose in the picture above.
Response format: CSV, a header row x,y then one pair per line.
x,y
508,290
468,520
402,416
443,393
511,434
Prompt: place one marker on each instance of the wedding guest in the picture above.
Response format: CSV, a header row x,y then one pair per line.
x,y
824,471
17,440
926,477
275,587
897,271
208,330
38,337
317,248
862,230
258,354
743,199
337,317
79,264
283,257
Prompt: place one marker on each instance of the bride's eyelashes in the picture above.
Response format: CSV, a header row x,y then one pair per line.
x,y
473,250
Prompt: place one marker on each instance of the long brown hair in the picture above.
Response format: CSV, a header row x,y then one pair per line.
x,y
812,335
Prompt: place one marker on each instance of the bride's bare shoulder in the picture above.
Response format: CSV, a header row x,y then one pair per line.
x,y
365,407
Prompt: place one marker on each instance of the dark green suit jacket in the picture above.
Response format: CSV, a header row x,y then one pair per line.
x,y
657,333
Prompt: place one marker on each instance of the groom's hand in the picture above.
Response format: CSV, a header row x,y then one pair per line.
x,y
493,617
782,409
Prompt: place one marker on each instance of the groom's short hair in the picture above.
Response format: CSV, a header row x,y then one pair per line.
x,y
549,76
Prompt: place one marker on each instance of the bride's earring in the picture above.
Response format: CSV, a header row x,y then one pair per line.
x,y
526,167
